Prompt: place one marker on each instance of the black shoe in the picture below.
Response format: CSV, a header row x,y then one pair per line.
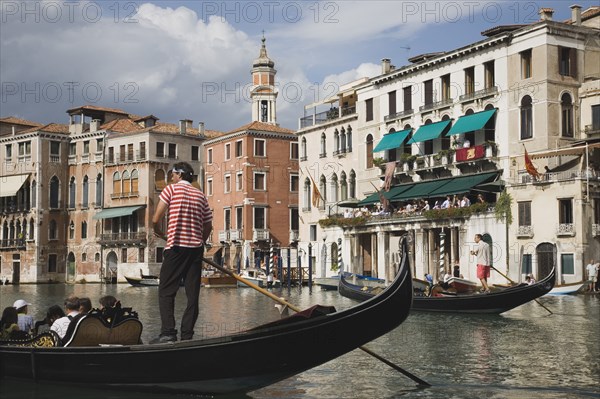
x,y
164,339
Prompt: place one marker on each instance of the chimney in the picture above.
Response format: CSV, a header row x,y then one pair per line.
x,y
182,126
94,125
576,15
201,128
546,14
385,65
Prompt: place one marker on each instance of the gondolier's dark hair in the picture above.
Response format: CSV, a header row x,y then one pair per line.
x,y
186,170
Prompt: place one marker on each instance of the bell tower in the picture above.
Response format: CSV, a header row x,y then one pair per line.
x,y
263,93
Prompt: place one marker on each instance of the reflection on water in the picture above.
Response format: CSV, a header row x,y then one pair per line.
x,y
524,353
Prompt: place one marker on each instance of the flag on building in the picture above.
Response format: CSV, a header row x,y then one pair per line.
x,y
390,168
529,167
316,194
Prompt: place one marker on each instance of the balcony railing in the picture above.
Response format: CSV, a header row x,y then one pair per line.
x,y
235,235
331,114
398,115
490,91
260,235
436,105
525,231
223,235
72,159
12,243
123,237
125,195
565,229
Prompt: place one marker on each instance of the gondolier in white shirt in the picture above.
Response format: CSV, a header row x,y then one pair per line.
x,y
188,227
484,261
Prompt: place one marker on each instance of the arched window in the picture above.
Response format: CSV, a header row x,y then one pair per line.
x,y
134,182
334,188
349,138
84,229
85,192
336,141
126,179
52,233
566,113
54,191
323,190
343,140
343,187
5,231
31,229
71,230
307,193
303,148
352,184
159,179
323,145
490,126
526,118
369,154
72,193
33,194
116,183
97,257
445,140
99,190
407,148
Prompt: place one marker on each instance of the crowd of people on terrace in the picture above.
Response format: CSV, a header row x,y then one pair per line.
x,y
414,207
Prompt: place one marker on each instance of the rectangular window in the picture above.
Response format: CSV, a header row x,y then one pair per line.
x,y
227,151
239,182
111,155
596,211
260,149
526,265
86,147
122,153
8,151
524,213
141,257
160,150
260,218
294,183
567,61
83,230
55,148
52,261
227,184
72,150
369,113
159,254
596,117
294,219
294,151
239,221
313,232
238,148
209,156
470,80
195,152
392,102
567,264
142,150
25,148
123,255
407,96
260,181
446,87
565,211
428,92
227,218
172,151
130,152
525,64
99,145
209,187
490,78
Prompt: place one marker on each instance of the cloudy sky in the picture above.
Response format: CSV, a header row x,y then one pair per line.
x,y
192,59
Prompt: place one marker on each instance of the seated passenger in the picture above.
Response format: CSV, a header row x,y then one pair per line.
x,y
54,313
9,325
85,306
60,326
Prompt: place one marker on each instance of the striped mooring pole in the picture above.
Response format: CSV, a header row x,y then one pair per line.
x,y
339,255
442,255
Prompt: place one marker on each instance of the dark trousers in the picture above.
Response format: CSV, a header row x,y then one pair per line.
x,y
178,263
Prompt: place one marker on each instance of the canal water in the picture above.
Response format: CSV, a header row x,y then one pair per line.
x,y
523,353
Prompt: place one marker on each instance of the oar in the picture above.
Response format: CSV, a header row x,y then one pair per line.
x,y
512,282
296,309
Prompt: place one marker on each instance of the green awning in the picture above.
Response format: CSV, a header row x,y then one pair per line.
x,y
116,212
462,184
396,190
469,123
421,190
491,187
392,140
429,132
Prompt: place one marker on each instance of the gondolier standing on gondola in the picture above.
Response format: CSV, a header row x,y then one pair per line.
x,y
188,227
484,261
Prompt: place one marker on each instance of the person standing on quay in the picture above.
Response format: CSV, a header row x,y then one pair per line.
x,y
483,253
188,227
592,273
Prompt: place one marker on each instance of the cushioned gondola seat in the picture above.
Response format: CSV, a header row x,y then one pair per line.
x,y
93,331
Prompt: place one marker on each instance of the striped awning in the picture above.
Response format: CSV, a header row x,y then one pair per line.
x,y
9,185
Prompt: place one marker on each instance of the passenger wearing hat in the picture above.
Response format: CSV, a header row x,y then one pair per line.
x,y
25,321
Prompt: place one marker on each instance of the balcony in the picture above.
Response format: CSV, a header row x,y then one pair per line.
x,y
398,115
294,235
329,115
235,235
72,159
525,231
123,238
260,235
565,230
12,243
98,156
223,235
436,105
488,92
130,194
85,158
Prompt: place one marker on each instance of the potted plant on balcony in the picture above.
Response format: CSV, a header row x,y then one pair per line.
x,y
443,156
419,162
379,162
407,161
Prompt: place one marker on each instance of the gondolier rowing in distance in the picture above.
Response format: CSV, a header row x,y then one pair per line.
x,y
188,227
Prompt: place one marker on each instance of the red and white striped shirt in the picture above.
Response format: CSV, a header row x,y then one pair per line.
x,y
188,211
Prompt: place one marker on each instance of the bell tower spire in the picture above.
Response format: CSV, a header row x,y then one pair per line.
x,y
264,92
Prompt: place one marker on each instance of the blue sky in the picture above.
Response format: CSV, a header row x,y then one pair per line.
x,y
192,59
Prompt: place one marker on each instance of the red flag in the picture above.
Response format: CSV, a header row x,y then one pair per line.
x,y
316,194
529,165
